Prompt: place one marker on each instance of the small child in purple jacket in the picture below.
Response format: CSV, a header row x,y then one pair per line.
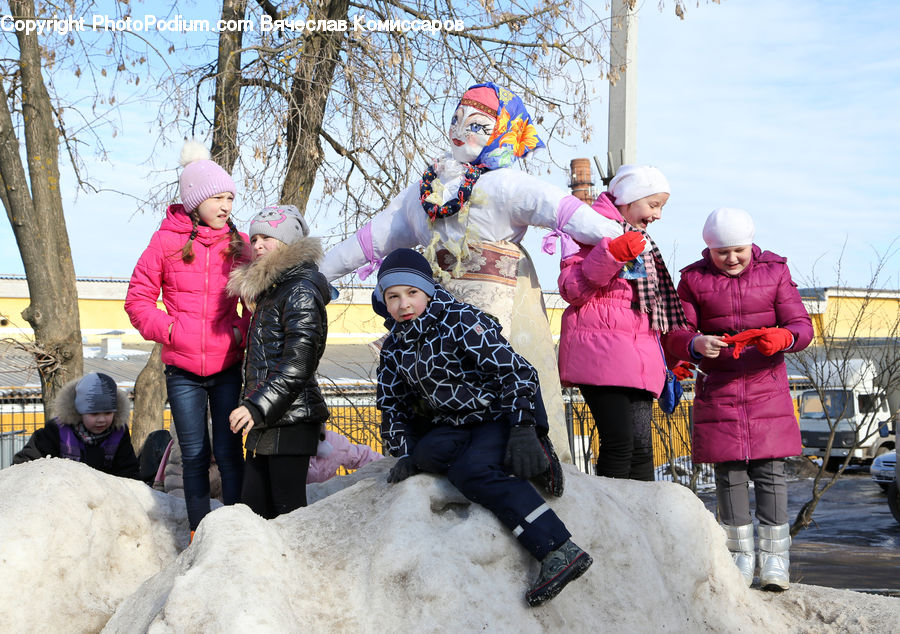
x,y
90,425
744,419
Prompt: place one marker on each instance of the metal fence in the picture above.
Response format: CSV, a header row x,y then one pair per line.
x,y
354,415
670,436
21,412
10,443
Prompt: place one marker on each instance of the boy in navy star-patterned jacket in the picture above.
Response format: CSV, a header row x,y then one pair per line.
x,y
456,400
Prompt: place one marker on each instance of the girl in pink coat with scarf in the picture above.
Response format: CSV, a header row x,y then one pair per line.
x,y
188,260
744,418
621,299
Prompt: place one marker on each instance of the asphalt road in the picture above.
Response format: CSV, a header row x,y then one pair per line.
x,y
854,541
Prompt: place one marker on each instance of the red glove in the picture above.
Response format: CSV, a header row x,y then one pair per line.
x,y
774,340
767,340
627,247
742,340
684,370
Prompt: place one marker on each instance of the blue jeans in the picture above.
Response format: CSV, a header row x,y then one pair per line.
x,y
190,398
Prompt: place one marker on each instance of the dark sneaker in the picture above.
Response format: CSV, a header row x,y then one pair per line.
x,y
550,480
558,568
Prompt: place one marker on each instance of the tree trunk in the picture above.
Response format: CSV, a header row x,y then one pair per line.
x,y
228,88
149,399
38,222
309,95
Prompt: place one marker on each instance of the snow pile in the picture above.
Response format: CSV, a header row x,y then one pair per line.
x,y
75,542
366,556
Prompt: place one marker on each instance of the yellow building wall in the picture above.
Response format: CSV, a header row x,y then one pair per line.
x,y
353,323
11,313
102,318
104,315
554,315
881,318
351,319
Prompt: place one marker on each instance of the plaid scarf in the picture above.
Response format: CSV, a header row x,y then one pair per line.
x,y
89,437
656,294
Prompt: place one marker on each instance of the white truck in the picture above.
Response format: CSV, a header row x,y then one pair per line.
x,y
858,405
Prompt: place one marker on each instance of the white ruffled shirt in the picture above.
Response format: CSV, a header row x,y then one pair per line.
x,y
503,204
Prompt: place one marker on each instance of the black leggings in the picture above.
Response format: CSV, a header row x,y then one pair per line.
x,y
623,417
274,485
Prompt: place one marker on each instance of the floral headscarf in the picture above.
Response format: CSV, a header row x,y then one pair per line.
x,y
514,135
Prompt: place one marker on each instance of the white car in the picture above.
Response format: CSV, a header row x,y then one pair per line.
x,y
883,469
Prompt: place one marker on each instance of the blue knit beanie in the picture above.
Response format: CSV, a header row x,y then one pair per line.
x,y
404,267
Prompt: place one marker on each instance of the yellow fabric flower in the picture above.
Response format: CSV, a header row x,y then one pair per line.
x,y
521,136
501,127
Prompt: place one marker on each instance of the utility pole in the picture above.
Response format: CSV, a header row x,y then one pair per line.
x,y
622,136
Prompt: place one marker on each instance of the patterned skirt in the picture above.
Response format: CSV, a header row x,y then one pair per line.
x,y
499,278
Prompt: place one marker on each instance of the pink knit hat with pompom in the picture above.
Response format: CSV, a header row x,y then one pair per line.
x,y
201,177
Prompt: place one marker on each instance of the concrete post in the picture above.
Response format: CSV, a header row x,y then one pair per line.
x,y
622,138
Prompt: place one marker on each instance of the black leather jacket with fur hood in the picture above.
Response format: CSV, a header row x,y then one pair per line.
x,y
285,341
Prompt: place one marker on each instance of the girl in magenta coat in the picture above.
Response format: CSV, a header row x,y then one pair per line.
x,y
621,299
744,422
188,260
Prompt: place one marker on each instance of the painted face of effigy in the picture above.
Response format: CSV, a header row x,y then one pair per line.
x,y
470,130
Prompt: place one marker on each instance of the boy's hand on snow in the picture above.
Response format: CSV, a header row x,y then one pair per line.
x,y
773,340
627,247
402,470
709,346
524,455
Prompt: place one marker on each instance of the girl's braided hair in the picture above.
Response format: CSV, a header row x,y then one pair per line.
x,y
236,244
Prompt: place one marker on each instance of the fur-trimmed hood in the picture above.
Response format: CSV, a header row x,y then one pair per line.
x,y
250,280
64,406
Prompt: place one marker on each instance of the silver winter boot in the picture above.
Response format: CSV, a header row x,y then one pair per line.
x,y
740,544
774,557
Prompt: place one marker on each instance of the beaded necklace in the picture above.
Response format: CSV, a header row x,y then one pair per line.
x,y
452,206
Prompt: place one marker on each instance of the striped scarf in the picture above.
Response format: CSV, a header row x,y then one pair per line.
x,y
656,294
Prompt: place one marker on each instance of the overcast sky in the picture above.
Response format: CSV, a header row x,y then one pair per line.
x,y
787,109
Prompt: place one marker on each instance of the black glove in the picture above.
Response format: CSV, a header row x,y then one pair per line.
x,y
524,455
552,480
402,470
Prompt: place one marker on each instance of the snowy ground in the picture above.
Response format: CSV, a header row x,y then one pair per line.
x,y
81,551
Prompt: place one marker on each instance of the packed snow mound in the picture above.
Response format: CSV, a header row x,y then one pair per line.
x,y
367,556
75,542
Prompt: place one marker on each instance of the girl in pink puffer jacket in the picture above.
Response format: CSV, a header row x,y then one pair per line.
x,y
189,259
621,299
744,418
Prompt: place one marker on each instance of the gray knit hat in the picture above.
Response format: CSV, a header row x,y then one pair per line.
x,y
96,392
283,222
